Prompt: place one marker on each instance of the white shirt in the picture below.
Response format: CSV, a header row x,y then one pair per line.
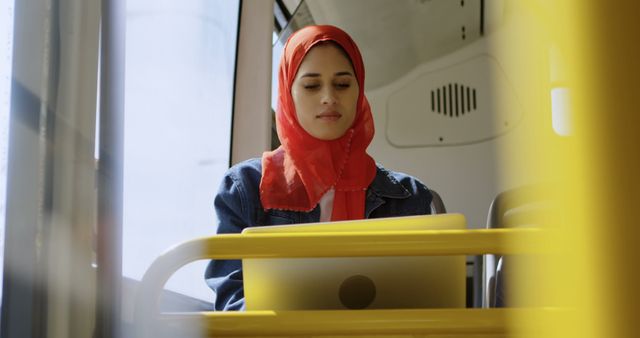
x,y
326,205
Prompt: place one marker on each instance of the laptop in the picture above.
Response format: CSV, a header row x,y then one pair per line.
x,y
403,282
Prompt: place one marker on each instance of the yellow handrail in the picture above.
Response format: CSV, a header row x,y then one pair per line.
x,y
343,244
341,322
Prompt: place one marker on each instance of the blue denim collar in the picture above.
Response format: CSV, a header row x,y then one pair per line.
x,y
384,185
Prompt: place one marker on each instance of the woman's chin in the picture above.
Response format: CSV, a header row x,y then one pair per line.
x,y
327,135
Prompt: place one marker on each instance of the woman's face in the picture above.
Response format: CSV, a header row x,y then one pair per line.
x,y
325,92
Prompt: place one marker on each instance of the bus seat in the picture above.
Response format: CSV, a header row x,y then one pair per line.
x,y
437,203
525,206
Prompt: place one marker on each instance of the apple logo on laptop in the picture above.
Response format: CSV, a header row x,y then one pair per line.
x,y
357,292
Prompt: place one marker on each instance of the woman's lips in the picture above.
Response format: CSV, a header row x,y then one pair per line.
x,y
329,116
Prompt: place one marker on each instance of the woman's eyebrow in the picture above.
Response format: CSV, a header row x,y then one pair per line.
x,y
344,73
310,75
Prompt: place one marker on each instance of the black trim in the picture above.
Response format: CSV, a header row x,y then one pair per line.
x,y
235,80
474,100
444,99
456,100
470,288
296,22
281,15
276,25
433,103
285,11
462,101
450,101
481,17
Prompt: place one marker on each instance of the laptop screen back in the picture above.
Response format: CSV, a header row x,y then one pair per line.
x,y
357,282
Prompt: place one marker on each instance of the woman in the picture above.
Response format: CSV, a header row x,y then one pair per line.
x,y
321,172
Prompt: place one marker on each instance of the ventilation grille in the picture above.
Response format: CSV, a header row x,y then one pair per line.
x,y
453,100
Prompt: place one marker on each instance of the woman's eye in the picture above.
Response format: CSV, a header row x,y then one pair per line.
x,y
311,86
343,85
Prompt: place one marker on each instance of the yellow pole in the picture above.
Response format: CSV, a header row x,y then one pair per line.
x,y
591,267
611,65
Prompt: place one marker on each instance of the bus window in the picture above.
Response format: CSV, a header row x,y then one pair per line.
x,y
179,75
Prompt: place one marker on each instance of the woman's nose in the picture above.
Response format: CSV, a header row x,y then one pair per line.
x,y
329,96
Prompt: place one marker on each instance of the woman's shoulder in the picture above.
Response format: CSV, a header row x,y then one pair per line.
x,y
397,175
387,179
404,194
239,189
248,170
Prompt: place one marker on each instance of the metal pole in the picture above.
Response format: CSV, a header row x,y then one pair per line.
x,y
110,168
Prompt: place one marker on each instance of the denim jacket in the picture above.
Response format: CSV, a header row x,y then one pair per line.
x,y
238,206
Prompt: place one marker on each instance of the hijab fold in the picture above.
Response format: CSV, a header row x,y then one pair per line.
x,y
298,173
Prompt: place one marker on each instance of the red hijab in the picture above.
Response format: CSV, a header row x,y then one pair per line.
x,y
297,174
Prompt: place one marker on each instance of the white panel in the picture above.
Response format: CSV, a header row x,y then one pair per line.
x,y
395,36
252,114
453,105
465,175
469,176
